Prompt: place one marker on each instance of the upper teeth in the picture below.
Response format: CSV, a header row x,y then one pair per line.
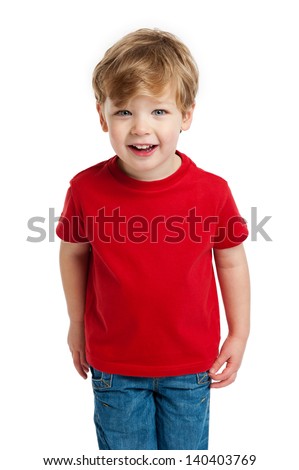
x,y
142,147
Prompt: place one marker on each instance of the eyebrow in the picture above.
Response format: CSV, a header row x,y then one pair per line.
x,y
155,102
164,102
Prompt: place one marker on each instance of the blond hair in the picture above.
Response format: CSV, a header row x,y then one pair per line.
x,y
145,62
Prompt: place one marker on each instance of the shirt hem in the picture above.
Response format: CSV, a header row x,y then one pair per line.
x,y
151,371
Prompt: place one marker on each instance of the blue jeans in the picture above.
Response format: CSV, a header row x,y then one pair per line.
x,y
147,413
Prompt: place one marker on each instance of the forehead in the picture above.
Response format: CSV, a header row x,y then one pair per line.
x,y
166,97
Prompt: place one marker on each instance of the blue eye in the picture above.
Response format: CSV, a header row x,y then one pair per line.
x,y
159,112
123,112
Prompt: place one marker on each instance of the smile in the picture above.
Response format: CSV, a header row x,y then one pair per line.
x,y
143,147
143,150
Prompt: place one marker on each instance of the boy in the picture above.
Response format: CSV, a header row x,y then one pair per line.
x,y
138,232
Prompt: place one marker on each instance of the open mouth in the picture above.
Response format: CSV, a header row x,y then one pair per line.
x,y
143,148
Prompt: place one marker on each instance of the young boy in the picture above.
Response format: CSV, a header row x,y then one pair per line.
x,y
138,232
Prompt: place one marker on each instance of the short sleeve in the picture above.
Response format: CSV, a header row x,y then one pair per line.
x,y
231,227
70,226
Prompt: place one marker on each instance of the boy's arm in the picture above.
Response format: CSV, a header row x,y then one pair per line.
x,y
73,259
233,276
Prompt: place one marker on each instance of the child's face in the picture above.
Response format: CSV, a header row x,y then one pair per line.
x,y
144,134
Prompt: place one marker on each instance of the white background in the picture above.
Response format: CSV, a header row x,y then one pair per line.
x,y
245,129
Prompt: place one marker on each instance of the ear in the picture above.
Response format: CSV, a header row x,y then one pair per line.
x,y
103,122
187,118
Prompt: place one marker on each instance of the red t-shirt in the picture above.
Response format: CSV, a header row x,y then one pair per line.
x,y
151,301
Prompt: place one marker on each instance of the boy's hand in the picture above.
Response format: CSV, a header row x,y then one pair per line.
x,y
76,342
231,353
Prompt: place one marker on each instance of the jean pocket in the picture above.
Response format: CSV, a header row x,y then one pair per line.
x,y
100,380
203,378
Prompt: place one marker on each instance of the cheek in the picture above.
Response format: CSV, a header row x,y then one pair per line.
x,y
172,132
115,133
169,126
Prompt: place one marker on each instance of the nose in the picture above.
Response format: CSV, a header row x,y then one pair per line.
x,y
140,127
